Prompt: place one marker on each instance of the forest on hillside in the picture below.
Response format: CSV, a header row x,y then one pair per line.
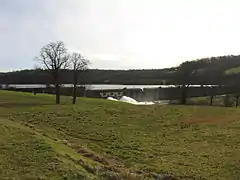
x,y
90,76
215,70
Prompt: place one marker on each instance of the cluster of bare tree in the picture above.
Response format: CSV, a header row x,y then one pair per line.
x,y
54,58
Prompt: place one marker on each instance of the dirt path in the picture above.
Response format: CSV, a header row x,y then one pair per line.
x,y
210,120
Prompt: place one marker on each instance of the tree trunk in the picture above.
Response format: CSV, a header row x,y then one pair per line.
x,y
57,92
183,95
74,93
75,80
211,100
237,101
212,95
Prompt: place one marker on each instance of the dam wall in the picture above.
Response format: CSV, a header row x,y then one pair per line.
x,y
139,94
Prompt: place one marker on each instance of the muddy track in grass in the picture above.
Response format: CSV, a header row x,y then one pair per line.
x,y
212,120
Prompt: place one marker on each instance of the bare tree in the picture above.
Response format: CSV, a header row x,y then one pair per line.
x,y
78,64
53,58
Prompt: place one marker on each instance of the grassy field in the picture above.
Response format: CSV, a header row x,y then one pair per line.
x,y
233,71
99,139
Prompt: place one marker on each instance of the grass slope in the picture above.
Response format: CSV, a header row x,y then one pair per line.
x,y
99,139
232,71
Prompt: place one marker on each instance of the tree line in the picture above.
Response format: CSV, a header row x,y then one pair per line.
x,y
202,70
207,71
90,76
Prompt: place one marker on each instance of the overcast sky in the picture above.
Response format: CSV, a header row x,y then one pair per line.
x,y
119,34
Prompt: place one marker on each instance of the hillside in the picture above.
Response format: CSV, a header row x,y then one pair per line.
x,y
213,70
92,76
99,139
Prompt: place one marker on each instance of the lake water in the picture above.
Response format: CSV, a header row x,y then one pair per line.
x,y
95,86
119,86
91,86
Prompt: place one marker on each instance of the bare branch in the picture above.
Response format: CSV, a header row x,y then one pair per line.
x,y
78,62
53,57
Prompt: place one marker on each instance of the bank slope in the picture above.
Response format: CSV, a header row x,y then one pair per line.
x,y
99,139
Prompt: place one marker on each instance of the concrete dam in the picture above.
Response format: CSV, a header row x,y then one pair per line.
x,y
155,94
139,94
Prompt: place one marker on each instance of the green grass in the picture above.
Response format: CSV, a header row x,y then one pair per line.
x,y
232,71
99,139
